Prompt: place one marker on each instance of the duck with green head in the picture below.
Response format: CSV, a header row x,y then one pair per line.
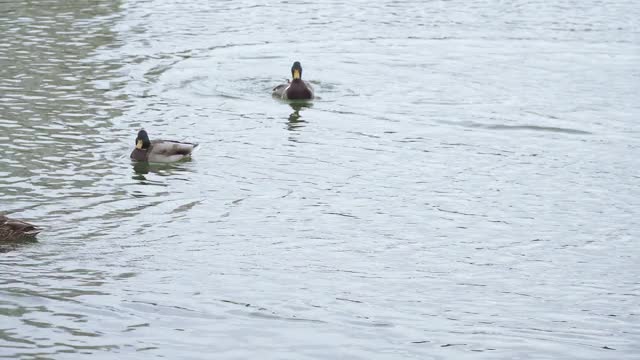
x,y
296,88
13,230
160,151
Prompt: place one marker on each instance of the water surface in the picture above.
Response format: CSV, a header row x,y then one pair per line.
x,y
466,185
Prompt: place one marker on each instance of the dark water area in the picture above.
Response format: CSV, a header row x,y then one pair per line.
x,y
465,186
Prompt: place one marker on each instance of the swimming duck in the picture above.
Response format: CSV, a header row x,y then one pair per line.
x,y
161,151
12,230
296,89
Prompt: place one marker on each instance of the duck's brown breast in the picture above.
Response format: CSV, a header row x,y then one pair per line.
x,y
297,90
139,155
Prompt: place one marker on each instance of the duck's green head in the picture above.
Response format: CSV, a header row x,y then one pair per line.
x,y
296,70
142,141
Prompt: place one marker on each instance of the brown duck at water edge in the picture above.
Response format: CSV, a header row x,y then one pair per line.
x,y
160,151
295,89
12,230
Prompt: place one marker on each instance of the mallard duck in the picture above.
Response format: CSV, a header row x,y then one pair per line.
x,y
161,151
11,230
296,89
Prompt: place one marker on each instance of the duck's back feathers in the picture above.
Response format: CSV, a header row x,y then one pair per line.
x,y
11,229
278,91
170,147
169,150
163,151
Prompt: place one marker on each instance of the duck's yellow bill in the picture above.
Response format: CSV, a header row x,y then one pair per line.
x,y
296,74
139,144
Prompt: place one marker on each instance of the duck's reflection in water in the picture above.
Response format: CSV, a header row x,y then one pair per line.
x,y
15,244
295,119
142,170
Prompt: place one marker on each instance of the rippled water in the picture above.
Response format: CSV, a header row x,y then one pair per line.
x,y
465,186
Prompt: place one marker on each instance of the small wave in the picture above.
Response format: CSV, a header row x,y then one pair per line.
x,y
471,124
539,128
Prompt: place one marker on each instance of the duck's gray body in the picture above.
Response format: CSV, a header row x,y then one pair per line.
x,y
163,151
11,229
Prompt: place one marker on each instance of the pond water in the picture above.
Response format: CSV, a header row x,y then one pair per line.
x,y
465,186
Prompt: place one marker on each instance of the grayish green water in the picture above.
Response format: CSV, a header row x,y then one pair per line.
x,y
465,187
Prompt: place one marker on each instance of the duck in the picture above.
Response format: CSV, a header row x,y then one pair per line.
x,y
295,89
12,230
160,151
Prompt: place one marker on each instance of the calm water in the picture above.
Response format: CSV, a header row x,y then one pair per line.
x,y
465,187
